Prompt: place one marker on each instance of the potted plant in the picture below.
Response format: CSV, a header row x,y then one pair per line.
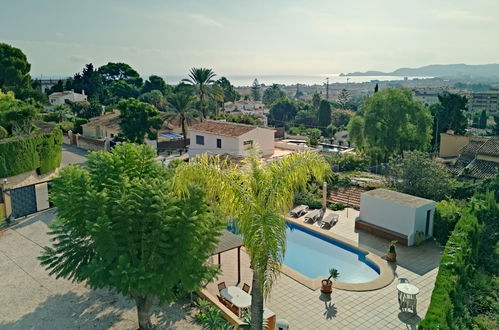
x,y
392,254
327,284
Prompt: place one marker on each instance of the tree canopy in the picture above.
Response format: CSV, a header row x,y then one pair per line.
x,y
121,226
155,83
281,111
419,175
16,116
255,90
324,113
272,94
137,119
14,69
120,71
449,113
230,93
391,122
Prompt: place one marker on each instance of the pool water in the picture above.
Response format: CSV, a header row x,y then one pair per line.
x,y
313,255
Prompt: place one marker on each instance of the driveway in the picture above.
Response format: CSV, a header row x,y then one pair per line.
x,y
72,155
31,299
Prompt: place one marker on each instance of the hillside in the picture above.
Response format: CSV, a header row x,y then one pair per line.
x,y
439,70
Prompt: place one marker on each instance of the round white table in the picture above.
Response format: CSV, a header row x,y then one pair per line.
x,y
407,288
236,296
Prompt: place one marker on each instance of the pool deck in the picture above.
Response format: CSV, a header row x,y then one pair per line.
x,y
305,308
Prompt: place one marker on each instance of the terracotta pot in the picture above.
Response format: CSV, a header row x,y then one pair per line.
x,y
390,256
327,286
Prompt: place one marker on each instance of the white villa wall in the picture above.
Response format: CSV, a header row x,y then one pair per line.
x,y
396,217
262,137
230,145
387,214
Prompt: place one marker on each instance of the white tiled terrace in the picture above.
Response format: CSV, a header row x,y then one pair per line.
x,y
304,308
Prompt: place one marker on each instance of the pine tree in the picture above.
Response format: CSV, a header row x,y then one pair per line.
x,y
482,122
324,113
255,90
121,226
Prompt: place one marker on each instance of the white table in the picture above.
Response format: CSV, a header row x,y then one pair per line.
x,y
407,296
407,288
237,296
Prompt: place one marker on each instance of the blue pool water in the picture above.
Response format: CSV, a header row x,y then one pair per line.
x,y
313,255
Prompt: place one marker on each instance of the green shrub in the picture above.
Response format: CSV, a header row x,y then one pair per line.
x,y
66,126
456,270
336,206
347,162
3,133
447,213
77,124
40,151
307,198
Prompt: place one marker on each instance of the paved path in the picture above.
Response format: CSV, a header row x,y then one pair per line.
x,y
72,155
31,299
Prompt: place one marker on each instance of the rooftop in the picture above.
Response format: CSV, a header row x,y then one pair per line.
x,y
222,128
490,147
109,120
61,94
472,147
480,169
398,197
228,241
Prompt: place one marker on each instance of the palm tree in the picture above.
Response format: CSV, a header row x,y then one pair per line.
x,y
258,195
201,77
182,110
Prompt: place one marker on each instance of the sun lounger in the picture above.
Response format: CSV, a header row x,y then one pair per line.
x,y
313,216
299,211
329,220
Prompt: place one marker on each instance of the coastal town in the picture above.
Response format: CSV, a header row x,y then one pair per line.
x,y
362,200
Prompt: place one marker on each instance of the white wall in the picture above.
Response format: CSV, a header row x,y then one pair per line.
x,y
230,145
262,137
396,217
386,214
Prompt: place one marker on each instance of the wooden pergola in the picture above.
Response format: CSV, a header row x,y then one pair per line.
x,y
229,241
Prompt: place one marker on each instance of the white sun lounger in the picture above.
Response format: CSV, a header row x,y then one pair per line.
x,y
313,216
299,211
329,220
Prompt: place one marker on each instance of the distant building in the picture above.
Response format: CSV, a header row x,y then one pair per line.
x,y
247,107
105,126
58,98
486,100
226,138
429,95
471,157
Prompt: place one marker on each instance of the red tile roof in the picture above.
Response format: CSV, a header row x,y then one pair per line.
x,y
222,128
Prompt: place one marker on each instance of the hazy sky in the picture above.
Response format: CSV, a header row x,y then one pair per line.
x,y
251,36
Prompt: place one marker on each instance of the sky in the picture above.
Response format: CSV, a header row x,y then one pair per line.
x,y
241,37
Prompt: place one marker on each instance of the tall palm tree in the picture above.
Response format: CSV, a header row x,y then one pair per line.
x,y
182,110
201,77
258,195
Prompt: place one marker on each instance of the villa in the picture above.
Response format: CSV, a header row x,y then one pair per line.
x,y
226,138
59,98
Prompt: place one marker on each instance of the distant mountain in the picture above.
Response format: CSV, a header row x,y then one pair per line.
x,y
438,70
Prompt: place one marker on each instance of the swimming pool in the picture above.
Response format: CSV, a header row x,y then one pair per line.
x,y
313,255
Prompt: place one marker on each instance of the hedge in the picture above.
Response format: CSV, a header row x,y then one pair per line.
x,y
447,213
456,269
41,151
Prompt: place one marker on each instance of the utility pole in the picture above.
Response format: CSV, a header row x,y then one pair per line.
x,y
327,89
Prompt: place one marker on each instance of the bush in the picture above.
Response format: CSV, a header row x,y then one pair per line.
x,y
3,133
456,270
348,162
66,126
307,198
40,151
447,213
336,206
77,124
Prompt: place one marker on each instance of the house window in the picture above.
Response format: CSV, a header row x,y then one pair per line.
x,y
248,144
219,143
200,140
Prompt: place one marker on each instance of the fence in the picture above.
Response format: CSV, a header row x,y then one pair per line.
x,y
23,201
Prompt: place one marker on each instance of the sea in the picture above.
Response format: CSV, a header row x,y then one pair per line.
x,y
319,79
